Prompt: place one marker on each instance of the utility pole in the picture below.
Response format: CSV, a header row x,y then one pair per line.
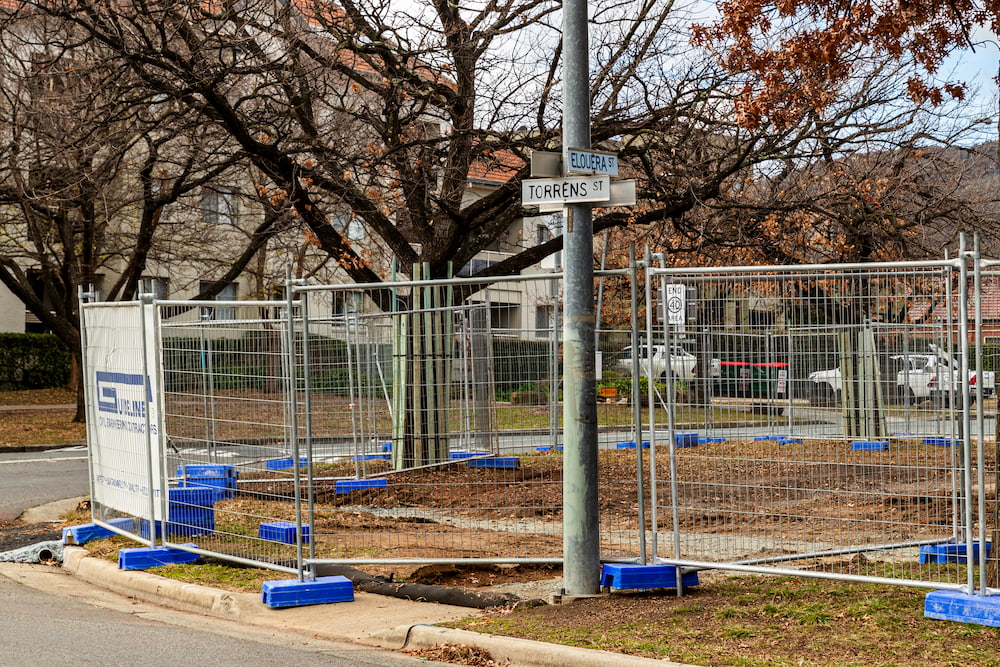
x,y
581,540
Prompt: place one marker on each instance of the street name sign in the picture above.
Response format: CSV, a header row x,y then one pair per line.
x,y
591,162
545,164
622,194
566,190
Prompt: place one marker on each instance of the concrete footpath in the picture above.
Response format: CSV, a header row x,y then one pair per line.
x,y
371,620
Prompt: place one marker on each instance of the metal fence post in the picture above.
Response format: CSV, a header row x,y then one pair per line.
x,y
962,382
307,406
636,342
143,303
82,299
654,505
980,416
293,417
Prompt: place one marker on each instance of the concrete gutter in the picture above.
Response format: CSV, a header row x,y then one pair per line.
x,y
363,621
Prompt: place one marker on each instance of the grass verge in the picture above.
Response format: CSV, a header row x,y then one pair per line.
x,y
738,621
759,621
33,426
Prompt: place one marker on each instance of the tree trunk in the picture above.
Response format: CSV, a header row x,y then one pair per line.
x,y
76,383
860,389
422,352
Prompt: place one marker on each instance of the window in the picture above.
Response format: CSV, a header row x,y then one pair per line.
x,y
549,227
346,303
504,316
543,321
476,265
542,234
349,226
37,281
218,206
228,293
155,286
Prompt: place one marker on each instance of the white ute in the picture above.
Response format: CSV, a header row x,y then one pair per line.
x,y
921,376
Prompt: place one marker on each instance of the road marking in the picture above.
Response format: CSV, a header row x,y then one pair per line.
x,y
205,452
65,458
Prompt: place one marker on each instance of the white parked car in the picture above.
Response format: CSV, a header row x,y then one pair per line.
x,y
920,376
682,362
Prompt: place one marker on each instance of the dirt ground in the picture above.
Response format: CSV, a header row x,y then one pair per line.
x,y
761,495
15,534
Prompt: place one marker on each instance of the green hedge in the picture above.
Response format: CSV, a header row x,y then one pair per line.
x,y
32,361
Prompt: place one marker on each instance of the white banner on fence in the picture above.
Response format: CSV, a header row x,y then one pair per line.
x,y
124,397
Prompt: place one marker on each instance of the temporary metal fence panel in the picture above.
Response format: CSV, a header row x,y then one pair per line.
x,y
784,419
986,477
123,417
826,433
446,406
228,406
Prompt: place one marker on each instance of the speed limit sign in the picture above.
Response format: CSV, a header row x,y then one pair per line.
x,y
675,297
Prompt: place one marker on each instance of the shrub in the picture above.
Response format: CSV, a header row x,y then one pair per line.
x,y
32,361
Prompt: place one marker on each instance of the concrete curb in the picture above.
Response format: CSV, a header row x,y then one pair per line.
x,y
246,608
166,592
518,652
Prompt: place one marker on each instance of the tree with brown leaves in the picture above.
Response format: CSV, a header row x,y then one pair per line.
x,y
796,54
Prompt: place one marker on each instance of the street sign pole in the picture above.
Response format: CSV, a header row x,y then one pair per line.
x,y
581,544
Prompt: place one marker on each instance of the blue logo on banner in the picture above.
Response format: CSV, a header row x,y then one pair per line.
x,y
122,394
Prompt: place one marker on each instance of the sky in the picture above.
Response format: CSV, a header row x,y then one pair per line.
x,y
977,68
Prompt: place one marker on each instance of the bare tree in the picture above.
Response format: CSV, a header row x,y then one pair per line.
x,y
376,113
88,166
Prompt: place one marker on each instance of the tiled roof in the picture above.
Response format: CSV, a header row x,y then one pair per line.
x,y
990,303
497,166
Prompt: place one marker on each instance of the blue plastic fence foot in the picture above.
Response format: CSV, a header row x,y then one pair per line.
x,y
348,485
942,442
870,445
285,464
955,606
951,552
141,558
630,444
506,462
622,576
91,531
282,531
295,593
220,478
460,455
